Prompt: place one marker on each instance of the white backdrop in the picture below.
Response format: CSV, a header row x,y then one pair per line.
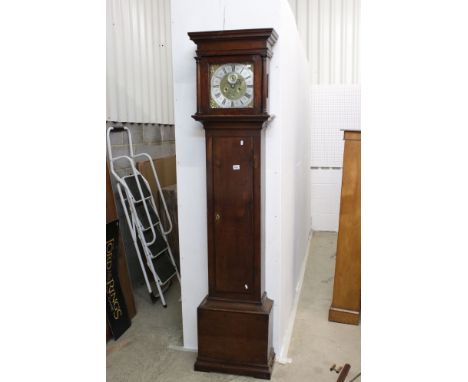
x,y
330,30
139,61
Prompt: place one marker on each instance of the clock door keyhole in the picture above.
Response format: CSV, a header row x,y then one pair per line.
x,y
217,217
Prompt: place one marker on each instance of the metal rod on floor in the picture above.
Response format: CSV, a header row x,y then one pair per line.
x,y
356,377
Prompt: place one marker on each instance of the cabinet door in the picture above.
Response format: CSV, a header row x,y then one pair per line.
x,y
233,210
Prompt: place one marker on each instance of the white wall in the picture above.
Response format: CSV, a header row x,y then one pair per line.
x,y
294,120
325,198
139,61
286,159
330,31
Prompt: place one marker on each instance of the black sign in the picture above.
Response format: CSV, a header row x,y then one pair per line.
x,y
117,315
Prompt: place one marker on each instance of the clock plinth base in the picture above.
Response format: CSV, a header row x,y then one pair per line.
x,y
235,338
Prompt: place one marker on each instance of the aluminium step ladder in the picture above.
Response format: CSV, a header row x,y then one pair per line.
x,y
148,234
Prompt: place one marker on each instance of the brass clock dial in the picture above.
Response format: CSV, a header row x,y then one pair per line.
x,y
231,85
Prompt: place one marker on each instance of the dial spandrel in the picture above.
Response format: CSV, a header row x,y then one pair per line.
x,y
231,85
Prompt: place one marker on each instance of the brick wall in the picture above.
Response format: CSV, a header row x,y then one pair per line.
x,y
156,140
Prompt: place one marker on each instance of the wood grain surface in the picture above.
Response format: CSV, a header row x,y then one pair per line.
x,y
346,304
234,328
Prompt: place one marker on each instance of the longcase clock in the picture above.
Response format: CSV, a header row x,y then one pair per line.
x,y
234,320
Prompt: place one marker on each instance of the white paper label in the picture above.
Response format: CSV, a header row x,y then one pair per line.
x,y
236,167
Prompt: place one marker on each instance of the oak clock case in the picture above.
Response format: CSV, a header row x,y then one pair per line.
x,y
235,318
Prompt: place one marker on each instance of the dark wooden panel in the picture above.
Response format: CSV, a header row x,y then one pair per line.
x,y
234,328
252,141
244,336
233,200
227,42
234,337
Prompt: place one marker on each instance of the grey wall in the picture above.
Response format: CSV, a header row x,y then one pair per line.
x,y
155,139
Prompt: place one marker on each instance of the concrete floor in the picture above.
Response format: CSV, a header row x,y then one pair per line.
x,y
144,352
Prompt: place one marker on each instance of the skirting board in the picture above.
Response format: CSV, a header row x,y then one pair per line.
x,y
182,348
282,356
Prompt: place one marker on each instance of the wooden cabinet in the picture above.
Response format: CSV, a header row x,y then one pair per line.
x,y
234,325
346,304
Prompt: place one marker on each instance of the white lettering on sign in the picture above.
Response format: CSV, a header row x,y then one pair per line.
x,y
236,167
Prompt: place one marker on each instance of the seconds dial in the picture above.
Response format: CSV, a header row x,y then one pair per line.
x,y
231,85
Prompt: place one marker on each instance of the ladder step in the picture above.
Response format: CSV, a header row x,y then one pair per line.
x,y
140,210
132,184
164,267
139,201
159,245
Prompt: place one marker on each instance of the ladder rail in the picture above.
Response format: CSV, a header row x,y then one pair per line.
x,y
109,146
134,236
150,265
163,199
135,174
133,156
130,142
133,219
143,201
138,234
130,196
130,222
173,261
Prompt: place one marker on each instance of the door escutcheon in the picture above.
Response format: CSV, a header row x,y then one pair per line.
x,y
217,216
